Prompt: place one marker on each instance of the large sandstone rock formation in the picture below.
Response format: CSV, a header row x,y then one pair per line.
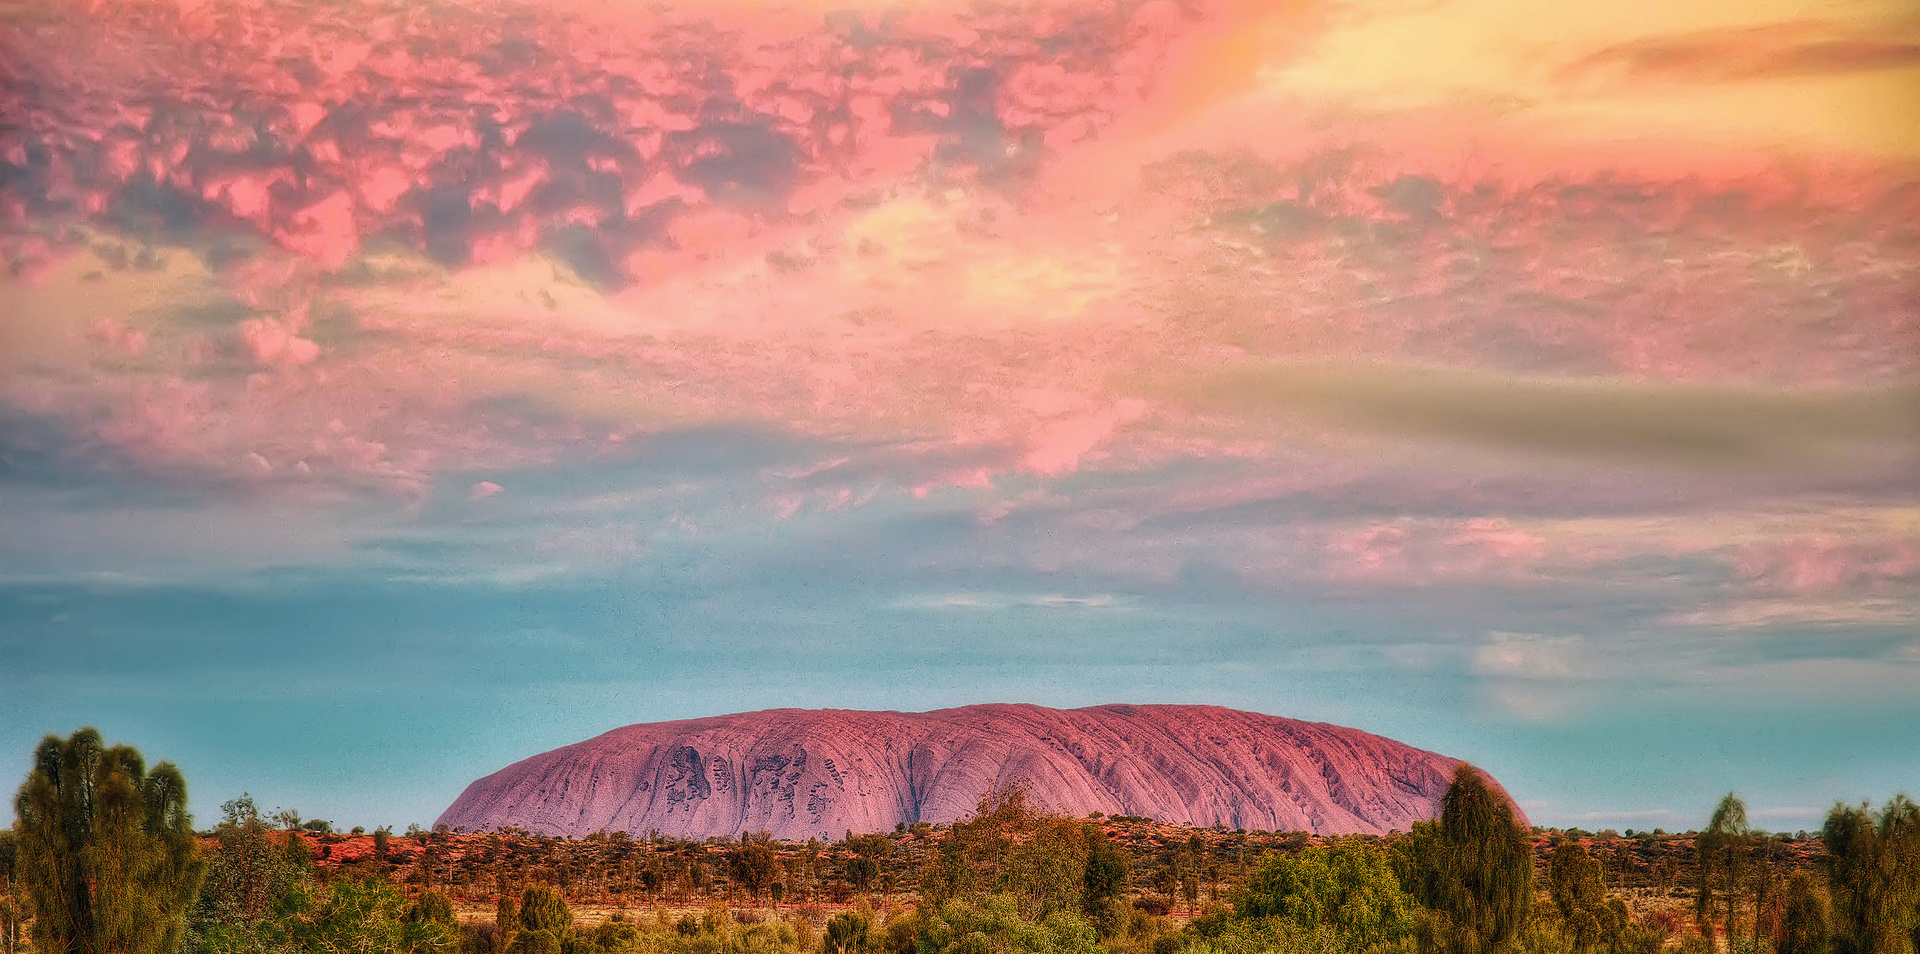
x,y
802,773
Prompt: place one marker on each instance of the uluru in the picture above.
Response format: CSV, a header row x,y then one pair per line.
x,y
805,773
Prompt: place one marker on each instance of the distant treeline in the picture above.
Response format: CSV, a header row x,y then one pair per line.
x,y
102,859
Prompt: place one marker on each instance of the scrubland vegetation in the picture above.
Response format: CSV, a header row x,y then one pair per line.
x,y
102,859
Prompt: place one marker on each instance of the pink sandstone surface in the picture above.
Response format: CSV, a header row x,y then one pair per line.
x,y
803,773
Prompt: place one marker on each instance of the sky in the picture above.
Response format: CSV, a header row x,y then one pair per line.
x,y
394,389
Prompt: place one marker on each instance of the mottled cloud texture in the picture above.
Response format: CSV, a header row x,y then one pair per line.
x,y
1069,351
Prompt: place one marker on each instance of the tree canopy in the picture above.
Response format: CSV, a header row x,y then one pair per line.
x,y
1473,868
1874,867
1579,891
1722,850
1012,847
1348,887
107,855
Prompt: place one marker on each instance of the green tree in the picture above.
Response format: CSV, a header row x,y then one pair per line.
x,y
1723,851
248,875
1873,865
506,913
535,942
254,878
1473,869
13,914
1578,887
1806,925
615,936
754,864
861,871
544,911
876,846
1010,846
432,908
107,857
1103,881
1348,888
996,925
849,933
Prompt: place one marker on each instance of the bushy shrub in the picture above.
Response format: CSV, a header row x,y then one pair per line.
x,y
1011,847
616,938
479,939
543,909
432,908
364,915
534,942
995,925
848,933
1349,889
1275,936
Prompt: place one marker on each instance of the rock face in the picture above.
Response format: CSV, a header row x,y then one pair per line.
x,y
802,773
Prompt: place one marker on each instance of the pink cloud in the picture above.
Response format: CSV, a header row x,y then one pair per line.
x,y
1498,540
273,343
484,489
163,420
1376,552
381,188
1416,553
720,334
116,335
975,478
324,231
1056,448
1823,565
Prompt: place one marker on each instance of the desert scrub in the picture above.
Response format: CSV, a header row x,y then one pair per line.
x,y
1280,936
993,926
715,932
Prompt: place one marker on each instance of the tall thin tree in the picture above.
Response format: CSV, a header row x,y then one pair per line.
x,y
1722,851
506,912
1873,864
1476,876
1577,884
12,915
1103,880
1805,925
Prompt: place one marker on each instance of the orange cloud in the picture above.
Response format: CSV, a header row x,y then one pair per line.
x,y
1775,50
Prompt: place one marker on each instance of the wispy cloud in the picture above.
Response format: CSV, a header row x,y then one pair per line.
x,y
1529,656
1817,613
1608,418
1001,601
1771,51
